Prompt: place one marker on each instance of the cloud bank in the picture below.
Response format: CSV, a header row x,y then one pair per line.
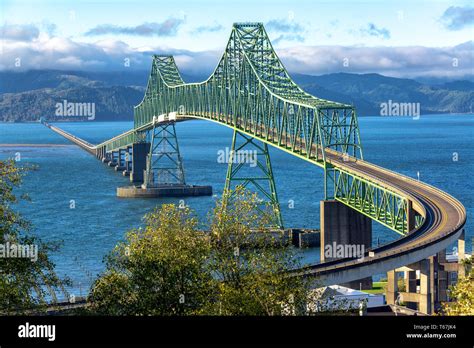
x,y
25,47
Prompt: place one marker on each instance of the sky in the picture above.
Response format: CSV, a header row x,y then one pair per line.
x,y
394,38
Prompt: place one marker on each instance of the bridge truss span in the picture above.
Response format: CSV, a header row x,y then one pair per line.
x,y
251,92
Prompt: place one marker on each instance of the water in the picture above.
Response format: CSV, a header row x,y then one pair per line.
x,y
67,175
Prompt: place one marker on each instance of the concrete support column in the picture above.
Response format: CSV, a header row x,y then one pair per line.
x,y
113,159
441,278
410,286
392,287
425,304
139,155
344,233
410,281
128,159
121,158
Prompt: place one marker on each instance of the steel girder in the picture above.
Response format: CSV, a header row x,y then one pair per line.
x,y
388,208
249,166
164,164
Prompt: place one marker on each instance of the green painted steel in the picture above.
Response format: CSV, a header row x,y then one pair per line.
x,y
388,208
251,92
164,163
249,166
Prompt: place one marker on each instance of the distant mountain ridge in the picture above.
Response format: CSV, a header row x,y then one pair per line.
x,y
27,96
367,91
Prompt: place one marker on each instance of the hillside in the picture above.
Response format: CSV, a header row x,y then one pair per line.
x,y
26,96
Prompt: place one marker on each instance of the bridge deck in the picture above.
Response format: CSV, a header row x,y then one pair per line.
x,y
442,227
445,216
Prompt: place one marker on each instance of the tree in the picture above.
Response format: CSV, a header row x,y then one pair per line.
x,y
252,261
463,295
159,270
25,283
169,267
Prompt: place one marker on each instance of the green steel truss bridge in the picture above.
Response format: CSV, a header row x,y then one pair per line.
x,y
251,92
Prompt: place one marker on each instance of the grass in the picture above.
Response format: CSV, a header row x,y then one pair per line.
x,y
377,288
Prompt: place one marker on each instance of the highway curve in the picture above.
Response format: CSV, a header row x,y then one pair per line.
x,y
444,218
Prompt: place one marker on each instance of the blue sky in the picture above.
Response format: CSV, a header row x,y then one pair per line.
x,y
398,38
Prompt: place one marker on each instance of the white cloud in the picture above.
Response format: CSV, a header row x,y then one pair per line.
x,y
408,61
44,51
18,32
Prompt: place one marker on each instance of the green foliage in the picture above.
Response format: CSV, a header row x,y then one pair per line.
x,y
463,295
251,261
25,284
158,270
169,267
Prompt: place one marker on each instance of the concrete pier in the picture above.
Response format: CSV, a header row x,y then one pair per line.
x,y
343,228
139,153
164,191
305,238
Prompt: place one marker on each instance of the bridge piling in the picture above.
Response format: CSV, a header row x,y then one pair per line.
x,y
344,229
157,167
139,153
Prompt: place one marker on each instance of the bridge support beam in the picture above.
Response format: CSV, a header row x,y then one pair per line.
x,y
127,162
139,153
158,167
249,166
426,281
164,164
391,294
343,231
410,286
113,159
120,160
419,297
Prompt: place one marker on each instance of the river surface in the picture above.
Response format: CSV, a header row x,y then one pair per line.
x,y
437,147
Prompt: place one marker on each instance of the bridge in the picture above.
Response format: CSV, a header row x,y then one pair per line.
x,y
251,92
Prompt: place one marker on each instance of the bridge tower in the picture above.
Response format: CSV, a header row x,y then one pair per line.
x,y
164,163
159,158
249,166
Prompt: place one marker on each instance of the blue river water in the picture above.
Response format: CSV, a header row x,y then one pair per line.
x,y
438,147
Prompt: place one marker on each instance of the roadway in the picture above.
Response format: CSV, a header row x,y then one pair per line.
x,y
444,217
